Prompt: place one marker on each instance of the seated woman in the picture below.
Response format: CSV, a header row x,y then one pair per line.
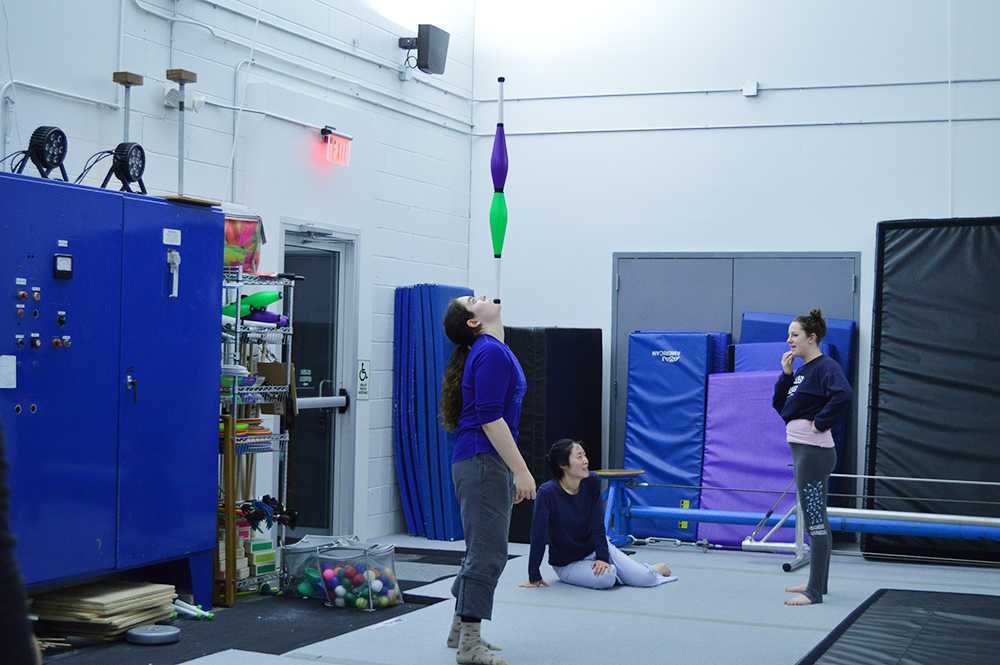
x,y
569,518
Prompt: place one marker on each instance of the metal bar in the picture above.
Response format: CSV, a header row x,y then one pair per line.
x,y
781,523
919,480
229,510
128,104
837,494
922,518
180,142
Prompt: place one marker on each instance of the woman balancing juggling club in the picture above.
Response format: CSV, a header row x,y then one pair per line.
x,y
498,207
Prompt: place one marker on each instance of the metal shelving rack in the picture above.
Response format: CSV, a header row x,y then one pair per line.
x,y
244,344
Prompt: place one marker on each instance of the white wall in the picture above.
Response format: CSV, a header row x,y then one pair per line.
x,y
813,185
406,192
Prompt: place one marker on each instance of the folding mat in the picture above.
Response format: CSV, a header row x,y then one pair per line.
x,y
745,448
766,356
916,628
422,448
719,343
935,400
840,333
563,367
665,423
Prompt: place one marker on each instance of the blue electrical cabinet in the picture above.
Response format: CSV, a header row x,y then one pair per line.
x,y
109,366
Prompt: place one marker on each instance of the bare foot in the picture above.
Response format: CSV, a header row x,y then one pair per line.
x,y
662,569
798,588
798,600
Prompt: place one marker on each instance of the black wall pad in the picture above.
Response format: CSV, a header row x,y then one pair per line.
x,y
934,404
563,367
914,627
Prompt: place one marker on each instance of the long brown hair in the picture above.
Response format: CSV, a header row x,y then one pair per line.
x,y
813,324
456,327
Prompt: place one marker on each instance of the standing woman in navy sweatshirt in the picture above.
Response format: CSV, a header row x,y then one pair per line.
x,y
569,518
811,401
484,386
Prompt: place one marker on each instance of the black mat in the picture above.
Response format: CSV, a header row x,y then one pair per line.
x,y
894,626
266,624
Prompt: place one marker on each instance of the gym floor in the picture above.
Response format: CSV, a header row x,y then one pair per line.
x,y
726,608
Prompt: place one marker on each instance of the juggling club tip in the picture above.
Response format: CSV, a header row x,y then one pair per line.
x,y
501,79
496,301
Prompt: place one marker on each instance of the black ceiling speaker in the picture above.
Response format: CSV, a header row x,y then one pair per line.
x,y
47,150
127,164
431,43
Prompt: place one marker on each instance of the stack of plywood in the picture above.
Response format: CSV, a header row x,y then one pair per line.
x,y
104,610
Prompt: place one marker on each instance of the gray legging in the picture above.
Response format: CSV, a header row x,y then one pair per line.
x,y
813,466
485,489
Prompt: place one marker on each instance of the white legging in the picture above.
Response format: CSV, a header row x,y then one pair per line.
x,y
623,569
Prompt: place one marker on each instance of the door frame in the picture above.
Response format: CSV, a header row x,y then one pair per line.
x,y
616,257
344,241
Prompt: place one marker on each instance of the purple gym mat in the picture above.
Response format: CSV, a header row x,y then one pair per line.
x,y
744,448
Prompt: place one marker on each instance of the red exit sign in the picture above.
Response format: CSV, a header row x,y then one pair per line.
x,y
338,149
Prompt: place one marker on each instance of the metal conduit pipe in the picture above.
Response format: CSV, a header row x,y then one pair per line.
x,y
6,101
761,125
278,55
713,91
332,44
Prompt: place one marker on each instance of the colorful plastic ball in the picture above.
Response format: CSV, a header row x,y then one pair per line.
x,y
304,588
350,571
359,567
338,571
370,575
387,572
339,602
376,586
361,603
358,580
383,601
340,591
347,583
328,574
350,598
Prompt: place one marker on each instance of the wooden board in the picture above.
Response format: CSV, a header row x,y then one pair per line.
x,y
619,473
193,200
104,597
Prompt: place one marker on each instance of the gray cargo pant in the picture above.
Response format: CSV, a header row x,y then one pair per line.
x,y
485,489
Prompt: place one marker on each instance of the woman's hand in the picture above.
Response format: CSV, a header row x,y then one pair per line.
x,y
600,567
524,487
534,585
786,362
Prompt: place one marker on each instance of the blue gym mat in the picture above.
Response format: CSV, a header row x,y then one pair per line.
x,y
423,449
665,423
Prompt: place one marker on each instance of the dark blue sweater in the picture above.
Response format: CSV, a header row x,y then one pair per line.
x,y
817,391
572,525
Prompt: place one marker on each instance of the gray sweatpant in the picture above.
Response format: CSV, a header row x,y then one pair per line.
x,y
813,466
485,489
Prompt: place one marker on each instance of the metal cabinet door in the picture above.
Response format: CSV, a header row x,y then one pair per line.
x,y
661,293
793,285
168,450
61,419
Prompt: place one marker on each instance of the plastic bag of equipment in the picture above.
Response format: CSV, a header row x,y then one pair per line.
x,y
343,571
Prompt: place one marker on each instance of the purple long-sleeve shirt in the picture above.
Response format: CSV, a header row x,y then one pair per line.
x,y
493,387
572,525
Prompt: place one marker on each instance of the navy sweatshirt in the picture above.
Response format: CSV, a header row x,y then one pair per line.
x,y
817,391
572,525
